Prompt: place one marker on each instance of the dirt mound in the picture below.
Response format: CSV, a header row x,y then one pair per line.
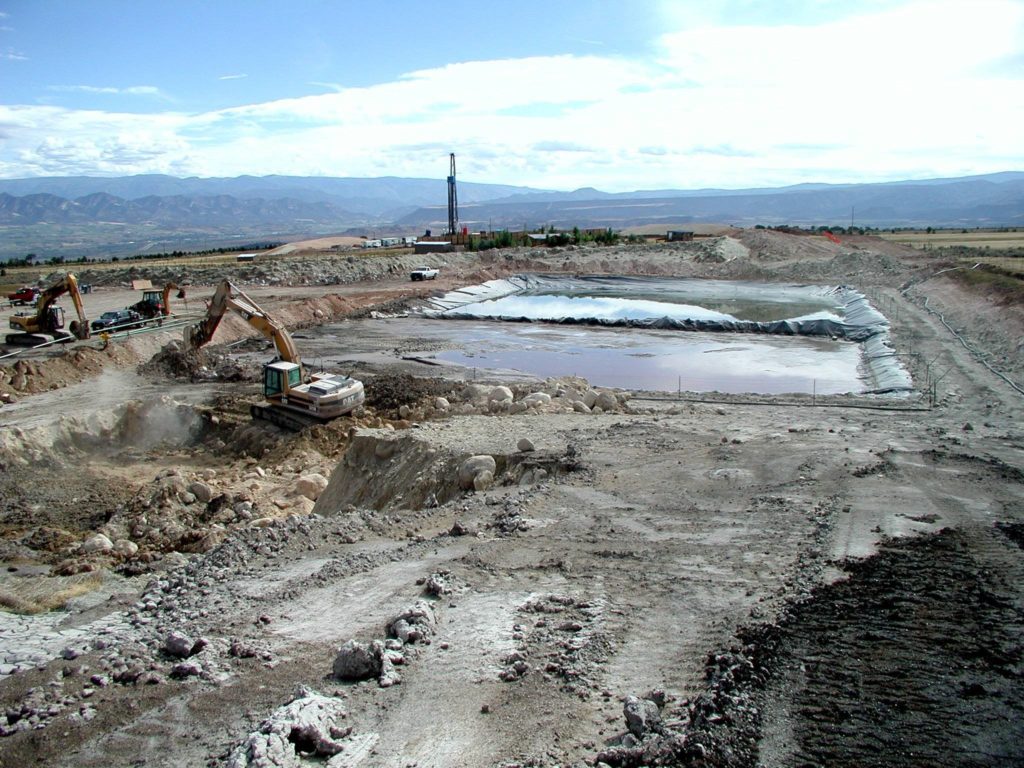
x,y
175,361
769,245
388,393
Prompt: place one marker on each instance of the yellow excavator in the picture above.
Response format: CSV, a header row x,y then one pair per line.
x,y
46,323
293,399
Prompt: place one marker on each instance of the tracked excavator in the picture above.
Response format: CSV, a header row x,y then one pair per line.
x,y
156,303
46,323
294,400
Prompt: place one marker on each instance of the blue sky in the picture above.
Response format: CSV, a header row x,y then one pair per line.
x,y
560,94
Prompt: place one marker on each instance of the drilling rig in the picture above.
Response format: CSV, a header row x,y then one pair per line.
x,y
453,201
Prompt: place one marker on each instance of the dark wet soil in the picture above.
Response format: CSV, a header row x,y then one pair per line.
x,y
916,660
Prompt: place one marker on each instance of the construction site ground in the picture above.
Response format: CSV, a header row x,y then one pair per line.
x,y
632,579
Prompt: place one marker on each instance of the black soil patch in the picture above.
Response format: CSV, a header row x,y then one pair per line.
x,y
387,393
916,660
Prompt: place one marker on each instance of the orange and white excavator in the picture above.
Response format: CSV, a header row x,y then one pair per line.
x,y
293,399
46,323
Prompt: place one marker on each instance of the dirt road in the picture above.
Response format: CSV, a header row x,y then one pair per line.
x,y
834,583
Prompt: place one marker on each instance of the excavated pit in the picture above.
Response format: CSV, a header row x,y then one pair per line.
x,y
134,427
385,470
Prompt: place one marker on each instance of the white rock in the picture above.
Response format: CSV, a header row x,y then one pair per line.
x,y
473,466
589,398
441,403
499,394
97,543
580,407
126,547
483,480
607,401
475,392
537,398
311,485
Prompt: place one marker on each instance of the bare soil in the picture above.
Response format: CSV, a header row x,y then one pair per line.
x,y
662,581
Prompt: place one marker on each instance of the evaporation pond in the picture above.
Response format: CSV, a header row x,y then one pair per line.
x,y
631,358
543,297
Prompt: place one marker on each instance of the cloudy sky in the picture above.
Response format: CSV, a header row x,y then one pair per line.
x,y
558,94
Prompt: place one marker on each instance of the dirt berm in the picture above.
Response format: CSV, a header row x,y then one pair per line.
x,y
538,573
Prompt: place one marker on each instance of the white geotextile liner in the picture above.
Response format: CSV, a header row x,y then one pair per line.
x,y
846,313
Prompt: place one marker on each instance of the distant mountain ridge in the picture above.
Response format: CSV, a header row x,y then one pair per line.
x,y
374,197
183,211
979,201
71,217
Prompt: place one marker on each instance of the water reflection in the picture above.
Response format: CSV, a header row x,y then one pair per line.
x,y
650,360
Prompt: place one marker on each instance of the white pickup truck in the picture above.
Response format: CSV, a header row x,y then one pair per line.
x,y
424,273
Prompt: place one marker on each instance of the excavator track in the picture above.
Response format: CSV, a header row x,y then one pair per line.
x,y
290,420
35,339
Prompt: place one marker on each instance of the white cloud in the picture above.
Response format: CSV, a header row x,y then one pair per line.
x,y
232,77
916,90
133,90
12,55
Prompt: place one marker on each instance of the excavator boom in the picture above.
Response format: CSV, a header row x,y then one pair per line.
x,y
229,296
293,400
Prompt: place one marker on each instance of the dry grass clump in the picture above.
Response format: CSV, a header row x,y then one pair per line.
x,y
39,594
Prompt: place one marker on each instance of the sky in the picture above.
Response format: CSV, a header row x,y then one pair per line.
x,y
559,94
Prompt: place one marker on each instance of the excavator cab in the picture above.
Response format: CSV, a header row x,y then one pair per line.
x,y
155,298
51,320
54,318
279,377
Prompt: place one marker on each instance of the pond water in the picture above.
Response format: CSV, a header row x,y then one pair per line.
x,y
630,358
665,360
538,297
655,334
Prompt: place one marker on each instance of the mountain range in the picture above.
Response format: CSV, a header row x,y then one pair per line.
x,y
71,217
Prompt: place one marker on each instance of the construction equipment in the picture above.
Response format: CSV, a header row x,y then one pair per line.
x,y
23,296
294,400
46,323
453,200
156,303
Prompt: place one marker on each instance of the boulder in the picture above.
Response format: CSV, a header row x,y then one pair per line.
x,y
356,661
126,547
499,394
525,445
97,543
201,491
483,480
475,392
413,624
178,645
441,403
642,716
311,721
537,398
311,485
606,401
473,466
